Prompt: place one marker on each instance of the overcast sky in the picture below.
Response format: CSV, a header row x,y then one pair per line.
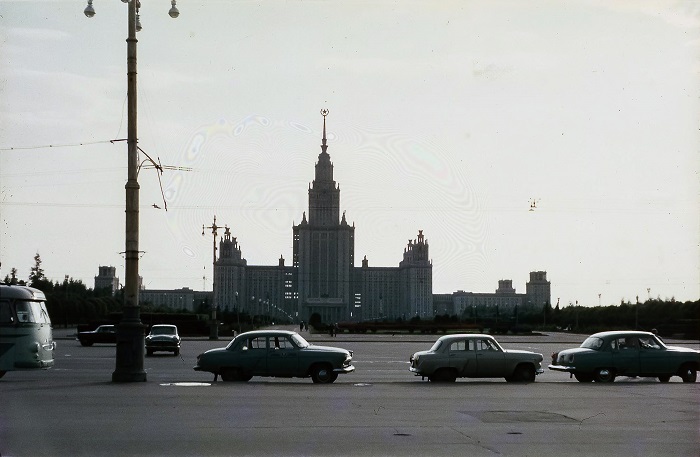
x,y
450,117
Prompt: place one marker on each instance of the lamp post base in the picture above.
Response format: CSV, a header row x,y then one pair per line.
x,y
131,346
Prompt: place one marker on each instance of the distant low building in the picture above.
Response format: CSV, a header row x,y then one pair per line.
x,y
184,299
503,302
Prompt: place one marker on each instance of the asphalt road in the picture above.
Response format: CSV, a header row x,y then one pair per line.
x,y
380,409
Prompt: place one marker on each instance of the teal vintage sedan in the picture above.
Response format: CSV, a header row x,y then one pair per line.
x,y
604,356
276,353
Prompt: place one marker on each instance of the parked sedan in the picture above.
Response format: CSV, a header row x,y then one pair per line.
x,y
276,353
102,334
163,337
606,355
474,356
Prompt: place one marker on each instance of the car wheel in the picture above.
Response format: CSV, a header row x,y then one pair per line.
x,y
2,373
443,375
85,343
176,352
581,377
149,352
323,374
689,373
233,375
604,375
664,378
524,373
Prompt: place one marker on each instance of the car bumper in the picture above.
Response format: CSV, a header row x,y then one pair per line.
x,y
162,346
562,368
348,369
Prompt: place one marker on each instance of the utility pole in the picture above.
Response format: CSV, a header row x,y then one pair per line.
x,y
130,330
214,327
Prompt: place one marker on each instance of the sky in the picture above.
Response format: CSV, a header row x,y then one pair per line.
x,y
450,117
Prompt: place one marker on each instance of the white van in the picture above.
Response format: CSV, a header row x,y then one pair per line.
x,y
26,339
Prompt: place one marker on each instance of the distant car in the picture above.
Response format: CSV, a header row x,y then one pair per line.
x,y
474,356
102,334
163,337
606,355
276,353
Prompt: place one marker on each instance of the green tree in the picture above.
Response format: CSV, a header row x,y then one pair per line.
x,y
37,278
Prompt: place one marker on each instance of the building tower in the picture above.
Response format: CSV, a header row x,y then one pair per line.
x,y
538,289
107,279
230,274
324,247
416,279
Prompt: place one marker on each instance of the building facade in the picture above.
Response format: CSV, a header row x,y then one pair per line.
x,y
323,279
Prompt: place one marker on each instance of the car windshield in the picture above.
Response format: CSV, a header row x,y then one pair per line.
x,y
592,342
300,341
436,346
163,331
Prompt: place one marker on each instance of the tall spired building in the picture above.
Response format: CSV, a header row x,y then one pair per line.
x,y
324,247
323,279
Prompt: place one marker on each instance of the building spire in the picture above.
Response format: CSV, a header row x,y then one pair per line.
x,y
324,146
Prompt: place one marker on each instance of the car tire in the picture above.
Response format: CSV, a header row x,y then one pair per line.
x,y
323,374
664,378
688,373
604,375
85,343
234,375
581,377
524,373
149,352
176,352
443,375
2,373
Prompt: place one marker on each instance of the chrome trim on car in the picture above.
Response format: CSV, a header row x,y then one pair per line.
x,y
561,368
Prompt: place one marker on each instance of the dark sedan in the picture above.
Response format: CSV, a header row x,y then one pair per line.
x,y
102,334
163,337
604,356
276,353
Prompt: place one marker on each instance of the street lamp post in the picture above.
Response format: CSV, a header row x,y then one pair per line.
x,y
214,328
130,330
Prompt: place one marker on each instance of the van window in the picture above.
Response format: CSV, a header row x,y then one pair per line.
x,y
6,313
32,312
